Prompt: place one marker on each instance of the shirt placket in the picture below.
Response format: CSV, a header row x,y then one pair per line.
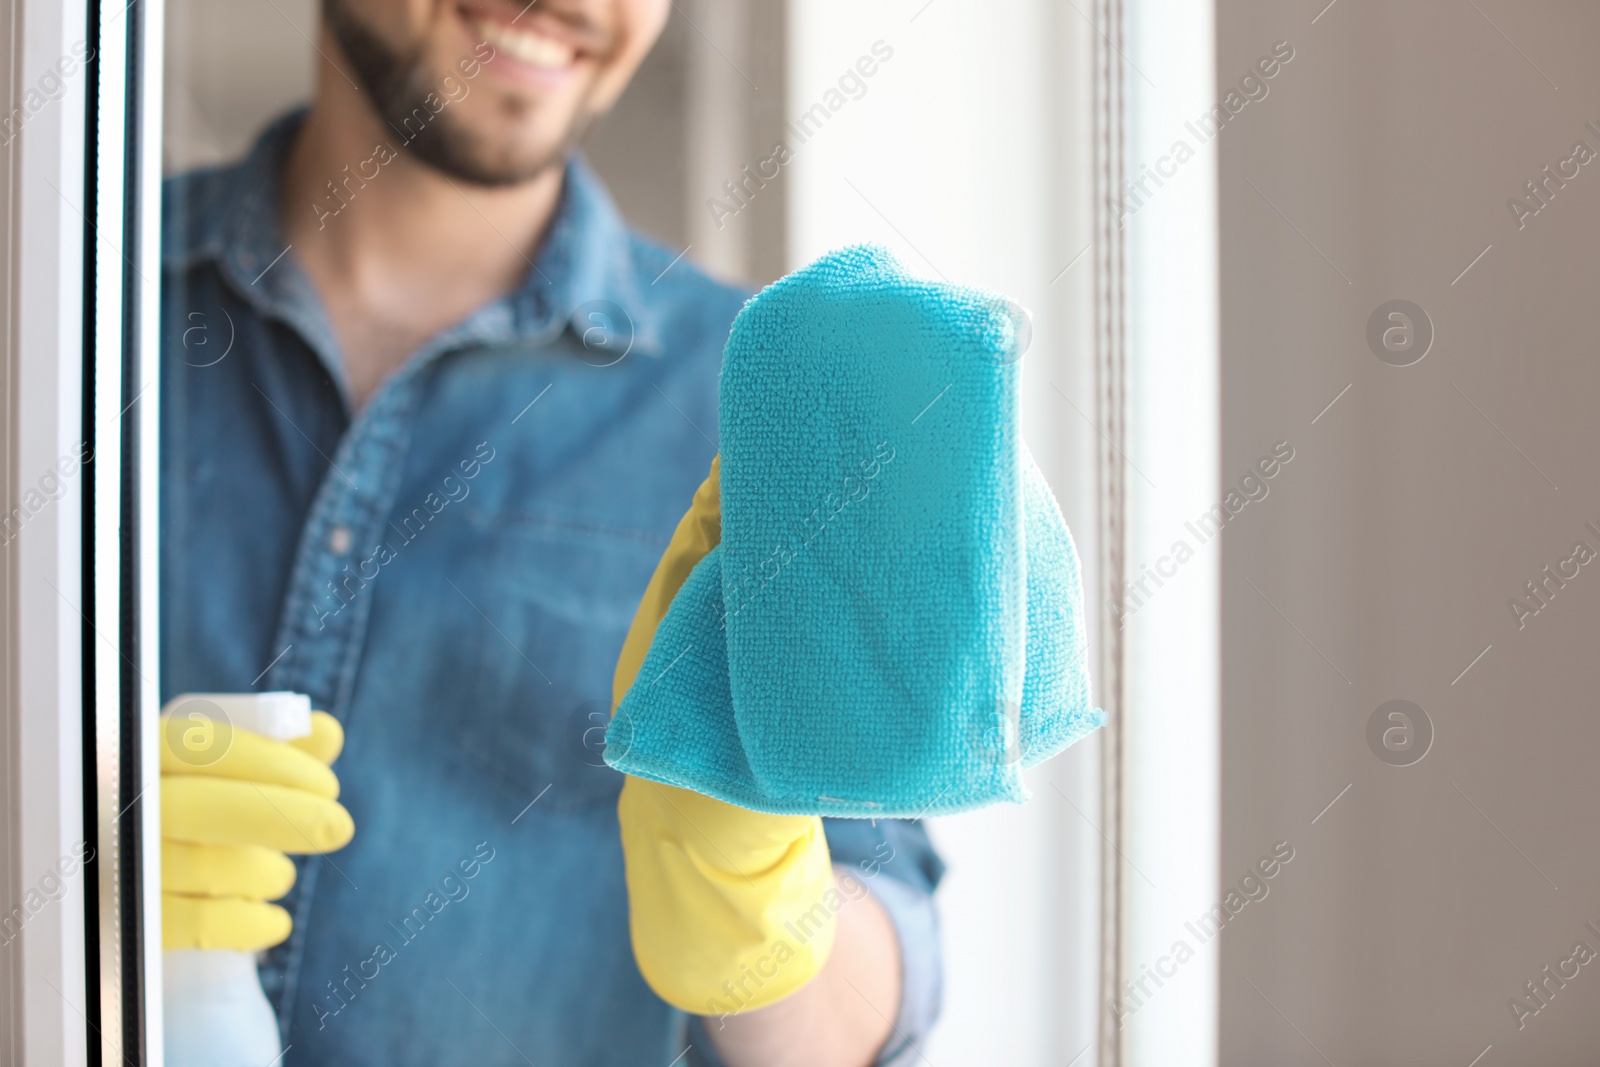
x,y
328,604
329,601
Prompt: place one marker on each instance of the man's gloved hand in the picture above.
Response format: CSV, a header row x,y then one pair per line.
x,y
226,823
727,907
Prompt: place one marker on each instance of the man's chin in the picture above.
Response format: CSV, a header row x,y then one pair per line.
x,y
485,160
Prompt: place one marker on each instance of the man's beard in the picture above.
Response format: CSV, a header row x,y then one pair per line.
x,y
397,85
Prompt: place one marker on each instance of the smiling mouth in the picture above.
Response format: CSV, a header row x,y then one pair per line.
x,y
525,44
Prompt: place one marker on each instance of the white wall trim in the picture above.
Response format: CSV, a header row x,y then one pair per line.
x,y
1169,767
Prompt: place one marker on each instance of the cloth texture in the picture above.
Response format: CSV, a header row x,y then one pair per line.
x,y
892,625
450,572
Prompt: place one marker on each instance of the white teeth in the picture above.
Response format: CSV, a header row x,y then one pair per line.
x,y
526,46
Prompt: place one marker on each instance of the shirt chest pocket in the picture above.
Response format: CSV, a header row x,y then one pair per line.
x,y
556,600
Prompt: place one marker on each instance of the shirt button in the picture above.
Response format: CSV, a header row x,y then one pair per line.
x,y
339,540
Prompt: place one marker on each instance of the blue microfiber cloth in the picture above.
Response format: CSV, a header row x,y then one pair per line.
x,y
893,622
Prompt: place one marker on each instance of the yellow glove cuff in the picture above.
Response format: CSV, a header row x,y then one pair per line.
x,y
728,909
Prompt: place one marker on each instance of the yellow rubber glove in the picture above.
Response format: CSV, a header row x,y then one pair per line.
x,y
226,821
727,907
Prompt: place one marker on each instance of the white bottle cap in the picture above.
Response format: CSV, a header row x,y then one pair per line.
x,y
282,716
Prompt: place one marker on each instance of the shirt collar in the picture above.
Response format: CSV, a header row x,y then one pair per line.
x,y
584,277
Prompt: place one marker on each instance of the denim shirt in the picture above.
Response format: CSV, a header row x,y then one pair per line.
x,y
451,572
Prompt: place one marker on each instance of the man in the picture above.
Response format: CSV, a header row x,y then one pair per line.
x,y
430,415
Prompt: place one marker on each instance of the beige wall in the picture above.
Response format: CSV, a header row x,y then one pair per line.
x,y
1414,508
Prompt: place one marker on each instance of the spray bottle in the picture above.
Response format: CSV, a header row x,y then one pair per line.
x,y
214,1011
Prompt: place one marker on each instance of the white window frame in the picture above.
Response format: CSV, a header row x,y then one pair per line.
x,y
69,654
1160,353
